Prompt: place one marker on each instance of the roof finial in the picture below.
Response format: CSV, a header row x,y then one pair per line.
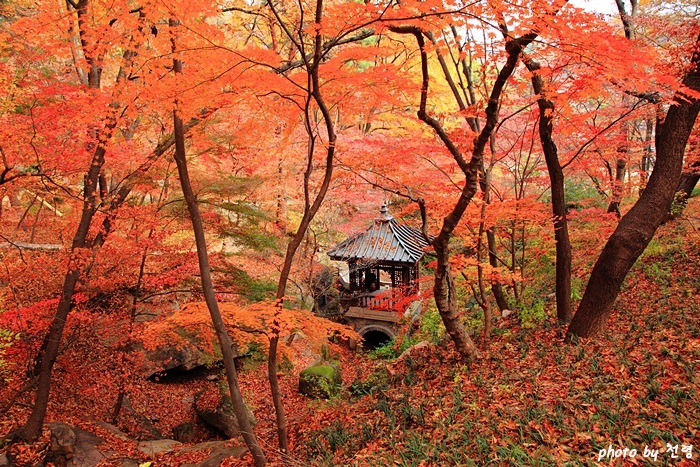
x,y
384,213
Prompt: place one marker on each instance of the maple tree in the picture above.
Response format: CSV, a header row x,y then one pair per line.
x,y
484,139
638,226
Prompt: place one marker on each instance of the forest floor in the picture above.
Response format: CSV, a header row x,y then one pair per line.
x,y
531,400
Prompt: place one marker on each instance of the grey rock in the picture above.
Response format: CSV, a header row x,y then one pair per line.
x,y
218,452
128,462
86,454
151,448
394,367
112,429
73,446
184,432
63,440
222,417
183,358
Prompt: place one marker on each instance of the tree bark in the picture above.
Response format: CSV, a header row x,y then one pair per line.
x,y
638,226
310,207
688,181
208,287
49,351
496,286
32,429
618,184
444,289
473,122
647,154
556,181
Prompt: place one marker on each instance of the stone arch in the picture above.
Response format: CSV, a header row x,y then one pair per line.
x,y
376,335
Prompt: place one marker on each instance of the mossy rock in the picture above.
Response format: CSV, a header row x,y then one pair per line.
x,y
320,381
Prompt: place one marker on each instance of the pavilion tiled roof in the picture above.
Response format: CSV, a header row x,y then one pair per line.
x,y
384,241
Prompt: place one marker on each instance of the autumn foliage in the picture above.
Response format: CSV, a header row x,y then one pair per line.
x,y
538,146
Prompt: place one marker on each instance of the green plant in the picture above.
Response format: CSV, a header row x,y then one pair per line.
x,y
320,380
533,315
680,201
7,338
384,352
254,290
431,326
376,382
393,348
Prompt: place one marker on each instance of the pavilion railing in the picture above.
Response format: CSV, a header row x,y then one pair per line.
x,y
384,299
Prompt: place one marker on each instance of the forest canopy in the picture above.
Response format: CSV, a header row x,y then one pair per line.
x,y
173,174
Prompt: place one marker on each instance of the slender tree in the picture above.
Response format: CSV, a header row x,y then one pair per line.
x,y
556,183
32,429
238,403
312,202
444,290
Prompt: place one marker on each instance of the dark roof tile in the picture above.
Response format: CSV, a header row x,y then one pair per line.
x,y
385,240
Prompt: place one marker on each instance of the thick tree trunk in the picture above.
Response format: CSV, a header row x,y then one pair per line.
x,y
445,292
238,403
638,226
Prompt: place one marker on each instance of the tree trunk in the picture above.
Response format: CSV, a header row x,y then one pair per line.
x,y
49,352
496,286
618,185
208,287
638,226
310,208
647,155
688,181
556,180
444,289
445,292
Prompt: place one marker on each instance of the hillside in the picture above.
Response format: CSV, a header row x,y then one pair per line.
x,y
531,400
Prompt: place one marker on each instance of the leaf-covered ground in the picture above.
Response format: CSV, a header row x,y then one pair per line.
x,y
533,400
536,400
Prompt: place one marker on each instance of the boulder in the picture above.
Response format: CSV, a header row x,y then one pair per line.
x,y
127,462
63,440
322,380
4,460
181,358
184,432
74,446
151,448
111,429
214,406
218,452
